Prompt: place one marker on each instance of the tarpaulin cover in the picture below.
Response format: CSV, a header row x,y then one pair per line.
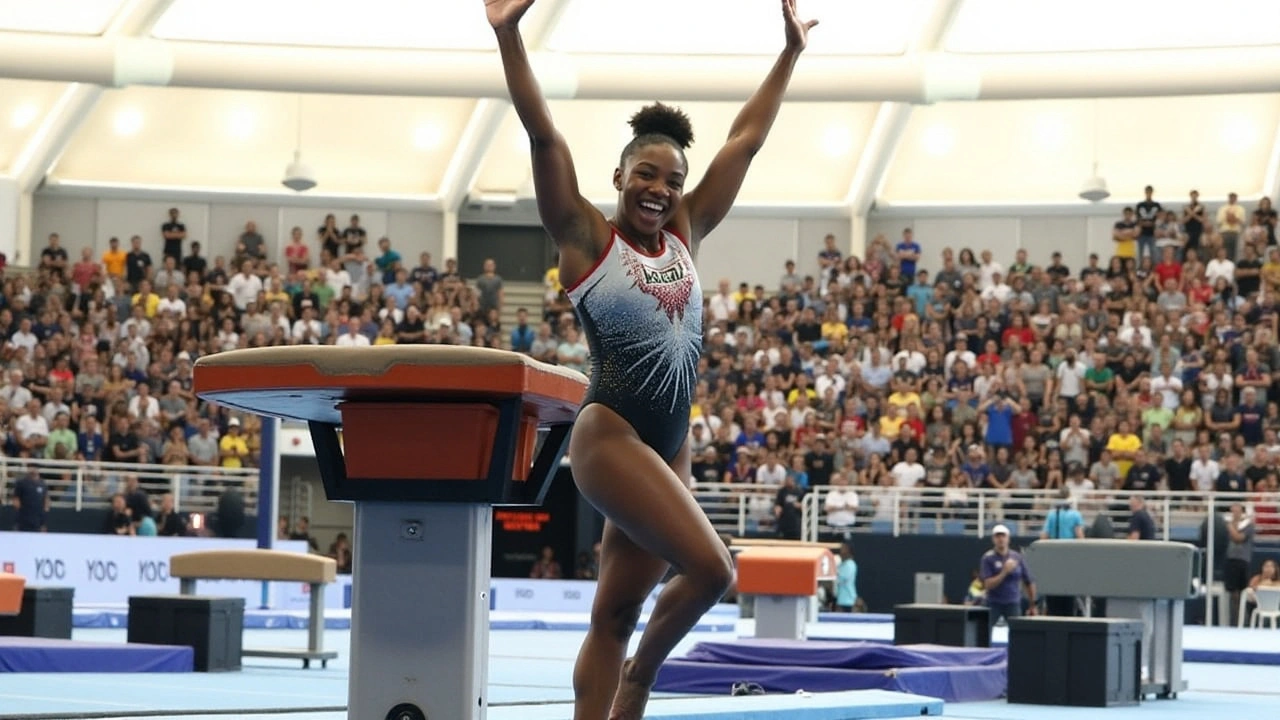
x,y
950,684
848,654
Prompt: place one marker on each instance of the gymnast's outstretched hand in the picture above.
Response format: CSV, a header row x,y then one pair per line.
x,y
505,13
797,29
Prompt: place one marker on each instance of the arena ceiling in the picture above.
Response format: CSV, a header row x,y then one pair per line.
x,y
897,102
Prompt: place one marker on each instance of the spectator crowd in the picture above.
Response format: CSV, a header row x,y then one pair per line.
x,y
1155,366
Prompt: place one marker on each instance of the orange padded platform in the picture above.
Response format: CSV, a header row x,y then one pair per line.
x,y
308,382
408,413
11,587
784,570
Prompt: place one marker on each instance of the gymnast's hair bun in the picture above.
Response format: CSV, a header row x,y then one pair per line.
x,y
659,119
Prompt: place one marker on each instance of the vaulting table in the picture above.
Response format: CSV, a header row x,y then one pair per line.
x,y
433,436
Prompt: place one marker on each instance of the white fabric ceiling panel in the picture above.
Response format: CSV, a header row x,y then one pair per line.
x,y
1042,151
1009,26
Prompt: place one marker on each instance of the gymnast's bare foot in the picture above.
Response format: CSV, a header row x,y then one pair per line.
x,y
632,696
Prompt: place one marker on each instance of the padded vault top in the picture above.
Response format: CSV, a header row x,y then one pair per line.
x,y
306,382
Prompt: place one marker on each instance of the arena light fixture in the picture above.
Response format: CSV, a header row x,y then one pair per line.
x,y
1094,188
298,175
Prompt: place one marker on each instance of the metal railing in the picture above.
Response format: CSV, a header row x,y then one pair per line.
x,y
89,485
747,510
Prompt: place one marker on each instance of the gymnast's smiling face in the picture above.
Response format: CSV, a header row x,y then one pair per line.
x,y
650,185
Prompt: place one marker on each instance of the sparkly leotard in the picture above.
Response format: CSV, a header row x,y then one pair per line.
x,y
642,314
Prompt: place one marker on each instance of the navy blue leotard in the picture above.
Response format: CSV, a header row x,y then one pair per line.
x,y
642,315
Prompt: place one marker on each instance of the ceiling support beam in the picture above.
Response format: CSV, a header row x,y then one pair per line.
x,y
486,119
42,151
890,123
1271,181
46,145
912,78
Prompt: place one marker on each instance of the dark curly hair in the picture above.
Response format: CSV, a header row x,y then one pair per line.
x,y
659,123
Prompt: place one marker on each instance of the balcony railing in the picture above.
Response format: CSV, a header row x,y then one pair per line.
x,y
81,485
746,510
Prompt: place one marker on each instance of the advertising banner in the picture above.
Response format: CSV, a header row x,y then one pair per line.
x,y
107,569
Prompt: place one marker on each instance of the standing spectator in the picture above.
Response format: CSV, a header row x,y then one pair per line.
x,y
174,233
1231,218
296,253
1004,576
846,580
1235,572
31,501
489,285
1149,213
251,245
1064,521
425,274
330,236
908,253
388,262
1141,524
1125,236
137,262
83,272
829,259
1193,222
54,257
788,509
114,259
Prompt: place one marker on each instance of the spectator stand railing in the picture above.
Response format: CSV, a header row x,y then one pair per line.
x,y
88,485
746,510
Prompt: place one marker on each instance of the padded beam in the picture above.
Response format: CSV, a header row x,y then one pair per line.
x,y
11,587
271,566
266,565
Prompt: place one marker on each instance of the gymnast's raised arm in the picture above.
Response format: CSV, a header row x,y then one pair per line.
x,y
567,216
708,203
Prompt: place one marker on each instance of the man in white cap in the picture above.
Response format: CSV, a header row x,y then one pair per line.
x,y
1004,574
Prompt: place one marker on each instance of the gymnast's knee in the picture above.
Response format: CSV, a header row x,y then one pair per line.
x,y
619,621
713,575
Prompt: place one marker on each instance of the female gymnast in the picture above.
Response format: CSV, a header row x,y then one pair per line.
x,y
632,281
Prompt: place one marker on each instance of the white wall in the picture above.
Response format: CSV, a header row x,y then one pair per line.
x,y
1075,235
91,222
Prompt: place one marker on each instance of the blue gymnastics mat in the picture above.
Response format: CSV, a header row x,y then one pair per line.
x,y
44,655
